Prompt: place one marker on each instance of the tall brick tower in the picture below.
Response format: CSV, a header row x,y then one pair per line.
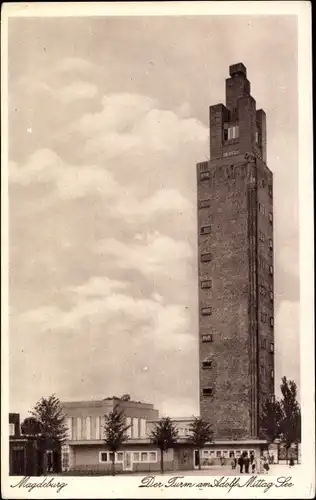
x,y
235,252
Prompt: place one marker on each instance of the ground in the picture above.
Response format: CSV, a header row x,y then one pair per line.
x,y
225,470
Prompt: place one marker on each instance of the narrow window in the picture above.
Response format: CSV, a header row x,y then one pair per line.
x,y
270,217
204,203
207,337
119,456
208,391
136,456
207,365
206,284
272,374
271,269
206,257
103,456
271,347
271,244
271,321
270,191
204,176
144,456
205,230
206,311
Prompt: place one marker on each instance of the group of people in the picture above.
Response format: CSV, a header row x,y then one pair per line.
x,y
260,465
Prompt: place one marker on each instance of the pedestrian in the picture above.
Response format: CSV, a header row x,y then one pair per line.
x,y
241,463
266,466
291,462
246,462
252,461
222,461
233,463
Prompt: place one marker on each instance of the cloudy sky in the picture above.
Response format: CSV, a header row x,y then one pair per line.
x,y
107,119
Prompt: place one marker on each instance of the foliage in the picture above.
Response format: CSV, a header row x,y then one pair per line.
x,y
290,426
271,419
164,435
115,431
125,397
200,433
31,426
49,414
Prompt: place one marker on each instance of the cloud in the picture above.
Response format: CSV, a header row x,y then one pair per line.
x,y
67,181
77,91
157,256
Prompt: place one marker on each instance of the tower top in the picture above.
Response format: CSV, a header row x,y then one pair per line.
x,y
238,69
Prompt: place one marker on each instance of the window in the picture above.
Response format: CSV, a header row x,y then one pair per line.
x,y
129,430
142,428
103,456
204,203
271,347
206,284
218,454
206,311
111,455
119,456
270,217
272,374
263,317
207,364
263,343
69,425
207,337
88,428
135,428
271,321
261,236
205,176
98,428
231,454
230,132
136,456
152,456
270,191
208,391
271,269
206,257
144,456
270,244
262,290
261,209
262,370
79,428
11,429
205,230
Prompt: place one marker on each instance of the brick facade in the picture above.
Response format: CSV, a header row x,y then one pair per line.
x,y
235,252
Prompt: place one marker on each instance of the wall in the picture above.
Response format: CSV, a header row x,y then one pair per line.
x,y
228,409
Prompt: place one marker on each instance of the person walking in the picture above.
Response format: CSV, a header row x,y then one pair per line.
x,y
252,461
233,463
241,463
266,466
246,462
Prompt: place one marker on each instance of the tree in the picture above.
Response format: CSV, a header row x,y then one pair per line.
x,y
200,434
125,397
164,435
290,425
31,426
271,419
115,432
49,413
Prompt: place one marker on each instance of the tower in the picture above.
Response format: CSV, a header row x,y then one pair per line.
x,y
235,266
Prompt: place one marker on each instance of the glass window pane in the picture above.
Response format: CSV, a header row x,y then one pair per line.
x,y
152,456
136,456
144,457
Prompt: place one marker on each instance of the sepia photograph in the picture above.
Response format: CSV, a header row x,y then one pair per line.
x,y
153,293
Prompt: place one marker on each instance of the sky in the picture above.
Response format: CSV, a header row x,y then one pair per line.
x,y
107,120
